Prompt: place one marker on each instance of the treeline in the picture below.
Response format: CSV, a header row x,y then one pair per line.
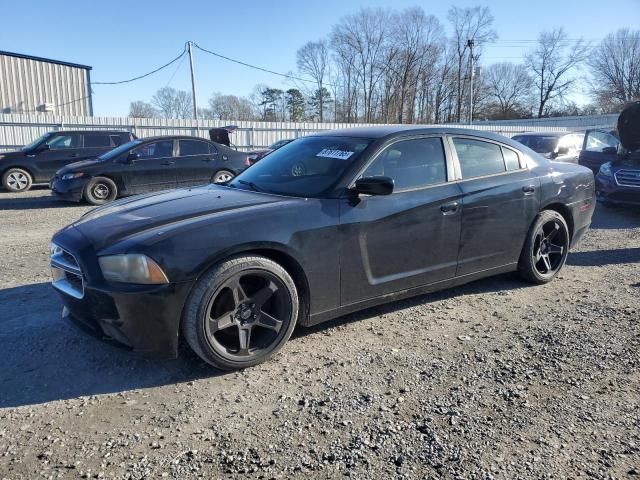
x,y
401,67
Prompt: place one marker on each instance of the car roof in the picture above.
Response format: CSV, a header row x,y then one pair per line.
x,y
110,132
547,134
173,137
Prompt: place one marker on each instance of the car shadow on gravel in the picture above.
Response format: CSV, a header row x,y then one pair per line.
x,y
597,258
606,218
17,201
46,359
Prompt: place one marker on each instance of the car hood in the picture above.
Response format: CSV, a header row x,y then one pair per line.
x,y
12,155
165,211
77,166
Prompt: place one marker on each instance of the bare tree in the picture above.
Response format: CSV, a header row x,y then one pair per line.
x,y
231,107
509,87
313,60
173,103
475,24
552,64
615,67
140,109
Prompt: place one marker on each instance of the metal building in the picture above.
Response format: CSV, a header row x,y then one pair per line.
x,y
40,85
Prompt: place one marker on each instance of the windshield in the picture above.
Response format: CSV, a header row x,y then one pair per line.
x,y
306,167
538,143
118,150
36,142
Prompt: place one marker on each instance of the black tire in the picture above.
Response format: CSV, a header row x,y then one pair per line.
x,y
541,259
100,190
243,294
222,176
17,180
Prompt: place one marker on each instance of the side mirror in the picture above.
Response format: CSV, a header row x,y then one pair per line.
x,y
41,148
610,150
132,157
563,150
373,186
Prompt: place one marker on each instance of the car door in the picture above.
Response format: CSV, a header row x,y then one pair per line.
x,y
59,150
195,164
152,169
499,202
406,239
599,146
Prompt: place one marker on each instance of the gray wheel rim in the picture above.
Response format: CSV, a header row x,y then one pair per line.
x,y
101,191
222,177
17,180
247,315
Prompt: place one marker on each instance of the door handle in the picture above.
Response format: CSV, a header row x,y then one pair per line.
x,y
75,155
167,163
207,159
529,189
449,208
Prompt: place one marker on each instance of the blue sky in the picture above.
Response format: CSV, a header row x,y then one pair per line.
x,y
124,39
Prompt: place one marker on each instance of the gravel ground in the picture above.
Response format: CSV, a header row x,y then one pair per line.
x,y
496,379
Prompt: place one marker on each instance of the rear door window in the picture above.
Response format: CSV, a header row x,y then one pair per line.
x,y
193,147
97,141
478,158
511,159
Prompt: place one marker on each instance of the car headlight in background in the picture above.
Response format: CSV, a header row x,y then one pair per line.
x,y
71,176
132,268
605,169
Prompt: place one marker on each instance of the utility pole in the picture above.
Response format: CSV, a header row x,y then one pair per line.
x,y
193,83
470,44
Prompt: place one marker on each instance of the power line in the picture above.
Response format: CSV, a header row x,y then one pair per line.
x,y
176,70
255,67
142,76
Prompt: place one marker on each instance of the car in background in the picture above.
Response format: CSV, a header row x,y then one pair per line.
x,y
259,154
148,165
332,223
39,161
558,146
618,181
599,147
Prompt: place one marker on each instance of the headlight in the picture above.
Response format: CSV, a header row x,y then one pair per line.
x,y
71,176
605,169
133,268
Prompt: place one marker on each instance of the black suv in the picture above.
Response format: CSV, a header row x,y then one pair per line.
x,y
39,161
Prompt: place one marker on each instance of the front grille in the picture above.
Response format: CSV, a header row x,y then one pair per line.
x,y
628,178
66,272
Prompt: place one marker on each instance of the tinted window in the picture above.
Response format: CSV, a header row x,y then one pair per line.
x,y
64,141
411,163
478,158
193,147
538,143
116,140
155,150
119,150
597,141
511,159
95,141
306,167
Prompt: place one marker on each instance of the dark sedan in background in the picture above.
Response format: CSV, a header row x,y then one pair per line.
x,y
326,225
558,146
39,161
148,165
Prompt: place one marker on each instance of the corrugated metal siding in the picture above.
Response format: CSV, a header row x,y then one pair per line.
x,y
18,130
26,85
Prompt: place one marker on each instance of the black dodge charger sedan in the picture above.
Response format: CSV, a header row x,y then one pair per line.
x,y
148,165
328,224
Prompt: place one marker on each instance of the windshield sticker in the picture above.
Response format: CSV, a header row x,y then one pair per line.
x,y
330,153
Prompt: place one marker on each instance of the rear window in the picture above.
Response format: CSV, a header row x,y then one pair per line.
x,y
98,140
193,147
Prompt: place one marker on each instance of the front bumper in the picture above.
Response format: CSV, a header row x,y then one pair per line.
x,y
141,318
607,190
68,189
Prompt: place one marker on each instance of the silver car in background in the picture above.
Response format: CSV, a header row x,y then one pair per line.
x,y
559,146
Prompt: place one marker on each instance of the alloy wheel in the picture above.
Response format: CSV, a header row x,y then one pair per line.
x,y
17,181
101,191
549,247
247,315
222,177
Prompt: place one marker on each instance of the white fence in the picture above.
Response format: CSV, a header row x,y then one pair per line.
x,y
17,130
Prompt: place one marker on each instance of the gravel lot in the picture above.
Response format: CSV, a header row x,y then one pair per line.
x,y
496,379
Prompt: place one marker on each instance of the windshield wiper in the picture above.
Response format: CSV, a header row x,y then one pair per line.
x,y
251,185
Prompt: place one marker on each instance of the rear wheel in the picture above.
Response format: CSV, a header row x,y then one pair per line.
x,y
100,190
546,248
223,176
17,180
241,312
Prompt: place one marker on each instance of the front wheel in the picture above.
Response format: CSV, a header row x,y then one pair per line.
x,y
100,190
17,180
546,248
223,176
241,312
